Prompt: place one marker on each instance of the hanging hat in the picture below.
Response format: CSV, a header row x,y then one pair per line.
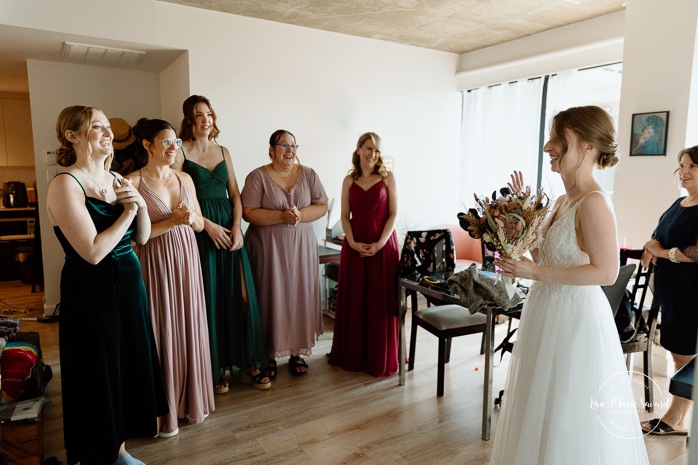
x,y
123,136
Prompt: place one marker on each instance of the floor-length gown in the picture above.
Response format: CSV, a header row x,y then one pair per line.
x,y
285,262
172,276
366,322
111,382
235,329
568,398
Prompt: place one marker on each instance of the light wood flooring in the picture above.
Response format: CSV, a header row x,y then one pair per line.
x,y
333,417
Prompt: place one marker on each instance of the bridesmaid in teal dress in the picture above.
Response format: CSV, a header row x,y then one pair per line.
x,y
111,381
234,322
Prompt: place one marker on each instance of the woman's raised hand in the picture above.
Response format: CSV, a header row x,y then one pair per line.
x,y
516,186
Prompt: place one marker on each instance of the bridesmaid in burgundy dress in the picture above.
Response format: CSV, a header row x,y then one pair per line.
x,y
366,322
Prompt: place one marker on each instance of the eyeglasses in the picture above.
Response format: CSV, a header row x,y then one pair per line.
x,y
288,146
167,142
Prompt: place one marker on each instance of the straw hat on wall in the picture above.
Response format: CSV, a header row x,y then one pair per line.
x,y
123,136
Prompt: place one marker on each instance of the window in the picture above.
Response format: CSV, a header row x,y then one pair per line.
x,y
504,127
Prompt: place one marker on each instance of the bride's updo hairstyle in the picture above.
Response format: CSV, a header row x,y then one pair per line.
x,y
592,125
76,118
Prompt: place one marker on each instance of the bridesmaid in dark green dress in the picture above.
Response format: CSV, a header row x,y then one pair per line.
x,y
111,381
235,330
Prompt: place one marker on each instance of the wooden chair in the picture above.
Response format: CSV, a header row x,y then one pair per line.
x,y
645,321
444,322
426,253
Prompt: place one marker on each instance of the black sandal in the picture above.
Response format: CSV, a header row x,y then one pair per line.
x,y
295,363
269,371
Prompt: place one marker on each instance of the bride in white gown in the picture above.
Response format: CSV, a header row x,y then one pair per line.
x,y
568,398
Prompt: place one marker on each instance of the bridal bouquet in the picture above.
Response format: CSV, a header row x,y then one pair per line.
x,y
510,224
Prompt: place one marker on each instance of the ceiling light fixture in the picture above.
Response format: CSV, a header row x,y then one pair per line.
x,y
102,55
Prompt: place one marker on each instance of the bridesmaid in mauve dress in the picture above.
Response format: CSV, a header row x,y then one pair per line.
x,y
280,201
172,276
366,322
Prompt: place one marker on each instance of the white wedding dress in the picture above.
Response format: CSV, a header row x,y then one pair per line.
x,y
568,398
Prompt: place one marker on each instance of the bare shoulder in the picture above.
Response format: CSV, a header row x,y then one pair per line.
x,y
184,176
389,178
63,184
595,200
596,210
226,152
135,178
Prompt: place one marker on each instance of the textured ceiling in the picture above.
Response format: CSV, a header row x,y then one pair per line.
x,y
457,26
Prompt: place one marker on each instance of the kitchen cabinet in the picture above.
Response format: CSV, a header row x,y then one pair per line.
x,y
16,139
3,150
17,228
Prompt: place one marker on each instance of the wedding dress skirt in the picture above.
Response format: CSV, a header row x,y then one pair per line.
x,y
568,397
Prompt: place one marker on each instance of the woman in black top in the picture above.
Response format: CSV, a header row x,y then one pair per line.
x,y
674,251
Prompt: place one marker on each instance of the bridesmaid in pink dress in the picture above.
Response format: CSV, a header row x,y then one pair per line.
x,y
366,322
173,280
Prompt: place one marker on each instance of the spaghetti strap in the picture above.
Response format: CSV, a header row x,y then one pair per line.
x,y
222,153
76,180
183,152
591,192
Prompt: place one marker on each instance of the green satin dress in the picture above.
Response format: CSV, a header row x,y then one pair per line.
x,y
235,331
111,381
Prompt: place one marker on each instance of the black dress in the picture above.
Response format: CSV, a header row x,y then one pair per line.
x,y
110,376
675,282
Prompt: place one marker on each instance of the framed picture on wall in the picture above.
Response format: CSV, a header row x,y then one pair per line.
x,y
648,135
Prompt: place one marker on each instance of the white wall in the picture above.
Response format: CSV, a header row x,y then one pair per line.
x,y
326,88
659,72
54,86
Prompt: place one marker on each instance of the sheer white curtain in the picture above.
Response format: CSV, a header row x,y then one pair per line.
x,y
561,95
500,134
597,86
501,128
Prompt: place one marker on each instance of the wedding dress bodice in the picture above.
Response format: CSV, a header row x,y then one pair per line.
x,y
560,247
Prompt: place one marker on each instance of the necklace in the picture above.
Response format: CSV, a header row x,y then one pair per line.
x,y
165,182
102,190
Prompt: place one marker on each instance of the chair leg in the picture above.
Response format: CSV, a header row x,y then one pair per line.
x,y
649,385
482,341
413,345
442,357
447,357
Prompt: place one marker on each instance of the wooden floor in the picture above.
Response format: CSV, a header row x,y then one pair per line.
x,y
334,417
